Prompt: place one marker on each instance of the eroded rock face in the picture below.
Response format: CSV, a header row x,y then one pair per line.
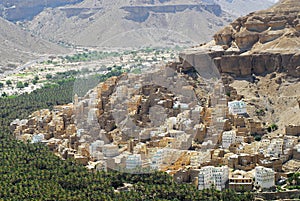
x,y
262,26
258,64
141,13
259,43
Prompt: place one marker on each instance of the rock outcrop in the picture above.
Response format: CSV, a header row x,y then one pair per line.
x,y
141,13
259,43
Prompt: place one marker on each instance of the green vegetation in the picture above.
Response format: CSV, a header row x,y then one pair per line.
x,y
257,138
1,85
8,82
293,181
260,112
36,78
3,94
272,127
48,76
64,75
91,56
136,71
20,85
34,82
23,74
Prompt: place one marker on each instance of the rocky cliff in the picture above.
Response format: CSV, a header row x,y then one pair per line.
x,y
141,13
259,43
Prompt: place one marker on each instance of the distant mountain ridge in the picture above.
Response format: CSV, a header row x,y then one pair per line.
x,y
19,10
125,23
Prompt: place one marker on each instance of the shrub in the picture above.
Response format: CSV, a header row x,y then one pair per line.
x,y
272,127
20,85
34,82
48,76
8,82
257,138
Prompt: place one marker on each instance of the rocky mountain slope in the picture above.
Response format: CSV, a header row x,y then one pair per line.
x,y
139,22
19,10
259,56
19,46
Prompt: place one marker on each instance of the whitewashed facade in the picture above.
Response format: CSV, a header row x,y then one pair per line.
x,y
264,177
228,138
237,107
133,161
213,176
157,160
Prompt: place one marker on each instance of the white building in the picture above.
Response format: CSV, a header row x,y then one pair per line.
x,y
264,177
228,138
275,149
213,176
157,160
110,150
133,161
96,148
37,138
237,107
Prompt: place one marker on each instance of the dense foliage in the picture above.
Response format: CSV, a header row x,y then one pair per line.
x,y
32,172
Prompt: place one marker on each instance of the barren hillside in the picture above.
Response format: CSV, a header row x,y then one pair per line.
x,y
139,23
19,46
19,10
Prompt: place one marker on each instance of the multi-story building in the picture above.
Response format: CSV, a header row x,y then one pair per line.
x,y
134,161
264,177
96,148
237,107
157,160
240,181
110,150
228,138
275,149
212,176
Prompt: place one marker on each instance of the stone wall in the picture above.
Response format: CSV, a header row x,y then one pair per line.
x,y
292,130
